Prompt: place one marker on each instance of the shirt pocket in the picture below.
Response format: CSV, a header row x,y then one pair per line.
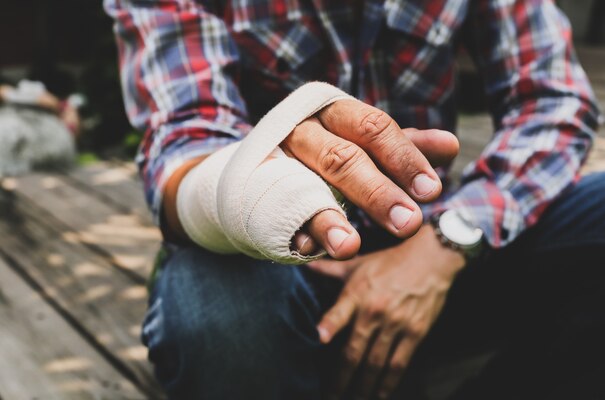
x,y
280,49
429,22
275,37
421,53
275,59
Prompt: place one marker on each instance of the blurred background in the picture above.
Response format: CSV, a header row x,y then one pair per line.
x,y
68,45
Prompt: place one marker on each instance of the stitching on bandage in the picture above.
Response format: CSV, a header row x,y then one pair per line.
x,y
247,223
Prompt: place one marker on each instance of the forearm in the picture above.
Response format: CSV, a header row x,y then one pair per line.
x,y
171,226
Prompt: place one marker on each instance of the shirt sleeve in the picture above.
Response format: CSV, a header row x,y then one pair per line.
x,y
544,113
178,67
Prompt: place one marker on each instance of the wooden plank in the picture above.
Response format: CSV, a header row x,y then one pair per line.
x,y
592,59
474,132
121,236
596,160
116,183
42,357
105,303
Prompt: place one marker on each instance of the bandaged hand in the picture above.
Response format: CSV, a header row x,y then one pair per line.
x,y
254,199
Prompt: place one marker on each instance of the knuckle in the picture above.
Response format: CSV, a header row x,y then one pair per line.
x,y
397,366
375,193
374,363
374,123
404,157
398,321
418,329
375,309
338,159
351,356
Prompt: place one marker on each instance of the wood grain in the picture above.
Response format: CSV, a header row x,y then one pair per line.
x,y
42,357
123,237
101,301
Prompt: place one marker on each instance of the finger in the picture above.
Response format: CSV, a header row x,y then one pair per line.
x,y
397,367
335,269
304,244
354,351
378,134
350,170
376,362
336,318
426,141
335,234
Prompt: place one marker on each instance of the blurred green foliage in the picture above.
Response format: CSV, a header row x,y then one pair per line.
x,y
85,158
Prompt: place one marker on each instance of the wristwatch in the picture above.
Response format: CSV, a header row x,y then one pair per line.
x,y
457,233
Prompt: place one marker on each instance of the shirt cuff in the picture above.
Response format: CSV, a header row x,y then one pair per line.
x,y
160,169
490,208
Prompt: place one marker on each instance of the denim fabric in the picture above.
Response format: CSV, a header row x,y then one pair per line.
x,y
527,322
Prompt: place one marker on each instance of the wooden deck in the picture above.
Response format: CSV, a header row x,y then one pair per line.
x,y
75,253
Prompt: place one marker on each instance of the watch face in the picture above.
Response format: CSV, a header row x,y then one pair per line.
x,y
458,230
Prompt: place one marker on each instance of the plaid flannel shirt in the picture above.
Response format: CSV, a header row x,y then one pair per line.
x,y
197,75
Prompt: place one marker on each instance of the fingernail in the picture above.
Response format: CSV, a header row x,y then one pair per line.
x,y
400,216
304,244
336,236
300,239
323,334
424,185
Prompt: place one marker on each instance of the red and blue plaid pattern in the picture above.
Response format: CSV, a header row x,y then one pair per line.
x,y
198,74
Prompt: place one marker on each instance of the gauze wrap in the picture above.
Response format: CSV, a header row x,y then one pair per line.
x,y
240,201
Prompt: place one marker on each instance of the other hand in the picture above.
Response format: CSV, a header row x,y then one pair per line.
x,y
391,298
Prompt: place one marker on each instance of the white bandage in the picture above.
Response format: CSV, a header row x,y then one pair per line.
x,y
239,200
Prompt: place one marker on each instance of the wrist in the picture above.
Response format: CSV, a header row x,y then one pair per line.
x,y
453,259
170,225
426,242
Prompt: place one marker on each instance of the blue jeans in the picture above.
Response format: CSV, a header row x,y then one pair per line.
x,y
528,322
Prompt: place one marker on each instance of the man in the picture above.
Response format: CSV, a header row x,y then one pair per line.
x,y
514,249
